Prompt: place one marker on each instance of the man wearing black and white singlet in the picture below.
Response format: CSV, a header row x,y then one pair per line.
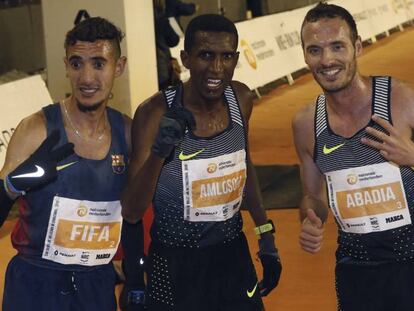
x,y
191,159
357,155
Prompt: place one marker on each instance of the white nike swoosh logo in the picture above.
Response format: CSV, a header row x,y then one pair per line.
x,y
61,167
38,173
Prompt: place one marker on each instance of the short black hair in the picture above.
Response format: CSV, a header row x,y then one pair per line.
x,y
208,22
93,29
325,10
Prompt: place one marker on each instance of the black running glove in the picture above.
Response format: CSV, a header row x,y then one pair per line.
x,y
40,167
272,267
171,130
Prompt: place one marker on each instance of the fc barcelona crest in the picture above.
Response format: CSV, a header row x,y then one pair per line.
x,y
118,163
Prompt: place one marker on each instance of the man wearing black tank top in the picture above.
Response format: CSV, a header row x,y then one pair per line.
x,y
191,160
356,153
66,166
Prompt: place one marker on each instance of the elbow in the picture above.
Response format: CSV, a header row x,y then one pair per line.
x,y
128,212
129,216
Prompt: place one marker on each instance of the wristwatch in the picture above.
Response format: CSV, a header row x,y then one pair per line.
x,y
267,227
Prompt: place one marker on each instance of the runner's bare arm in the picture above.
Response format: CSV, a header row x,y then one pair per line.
x,y
127,126
253,197
27,137
313,207
396,145
145,166
268,253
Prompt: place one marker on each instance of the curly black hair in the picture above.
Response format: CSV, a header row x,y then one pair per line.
x,y
95,28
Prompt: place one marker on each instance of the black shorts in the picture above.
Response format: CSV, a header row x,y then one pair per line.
x,y
215,278
375,286
30,287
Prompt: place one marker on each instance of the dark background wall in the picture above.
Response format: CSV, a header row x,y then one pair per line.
x,y
21,29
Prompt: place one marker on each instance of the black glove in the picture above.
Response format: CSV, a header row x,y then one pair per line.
x,y
171,130
272,267
40,167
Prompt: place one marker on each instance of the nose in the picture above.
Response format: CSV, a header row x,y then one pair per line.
x,y
87,74
217,64
327,57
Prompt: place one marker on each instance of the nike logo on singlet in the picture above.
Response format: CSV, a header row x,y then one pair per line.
x,y
184,157
327,150
251,293
61,167
38,173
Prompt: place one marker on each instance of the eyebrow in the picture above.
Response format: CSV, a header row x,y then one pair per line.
x,y
312,46
337,42
96,58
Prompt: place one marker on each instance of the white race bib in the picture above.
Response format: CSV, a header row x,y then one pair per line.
x,y
369,198
83,232
213,188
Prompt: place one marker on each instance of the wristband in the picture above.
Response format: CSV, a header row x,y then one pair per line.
x,y
136,297
10,188
267,227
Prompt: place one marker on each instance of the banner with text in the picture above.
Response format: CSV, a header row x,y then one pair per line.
x,y
270,46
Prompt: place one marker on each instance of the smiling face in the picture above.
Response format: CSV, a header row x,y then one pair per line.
x,y
330,53
211,62
92,68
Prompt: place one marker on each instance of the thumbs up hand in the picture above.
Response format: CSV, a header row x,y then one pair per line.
x,y
311,234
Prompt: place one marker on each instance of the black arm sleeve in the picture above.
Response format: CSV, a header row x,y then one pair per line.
x,y
5,203
133,245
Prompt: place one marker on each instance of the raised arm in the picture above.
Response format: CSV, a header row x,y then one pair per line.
x,y
155,133
313,207
145,166
30,161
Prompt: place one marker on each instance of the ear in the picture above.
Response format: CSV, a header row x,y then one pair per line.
x,y
185,59
120,66
236,57
358,46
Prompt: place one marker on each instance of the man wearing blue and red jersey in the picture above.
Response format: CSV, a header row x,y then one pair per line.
x,y
67,166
